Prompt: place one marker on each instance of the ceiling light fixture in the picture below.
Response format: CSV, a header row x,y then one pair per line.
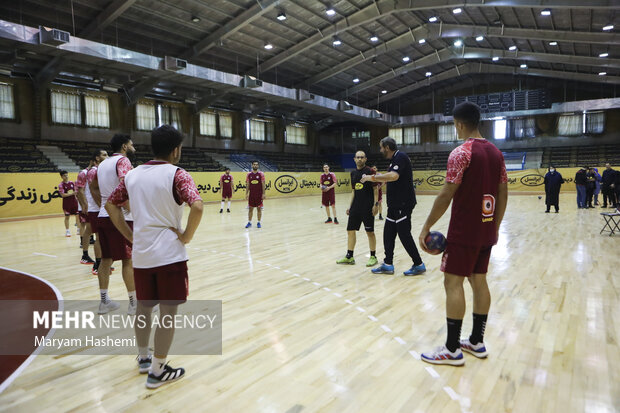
x,y
457,10
374,60
479,38
512,48
281,16
374,39
458,43
356,80
330,11
422,41
432,19
336,41
406,59
608,27
268,46
384,91
495,59
523,66
603,55
602,73
428,74
553,43
545,12
195,19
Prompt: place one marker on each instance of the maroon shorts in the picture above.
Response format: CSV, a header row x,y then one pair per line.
x,y
70,205
226,192
165,283
92,220
255,200
465,260
328,198
113,244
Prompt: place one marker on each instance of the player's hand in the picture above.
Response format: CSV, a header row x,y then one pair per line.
x,y
365,178
348,210
375,209
263,196
246,197
423,235
181,235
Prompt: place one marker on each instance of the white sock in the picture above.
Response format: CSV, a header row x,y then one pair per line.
x,y
222,207
133,300
157,366
104,296
228,204
143,352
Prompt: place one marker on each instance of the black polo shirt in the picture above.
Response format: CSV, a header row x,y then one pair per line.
x,y
364,198
401,193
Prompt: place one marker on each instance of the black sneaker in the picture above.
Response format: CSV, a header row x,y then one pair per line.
x,y
336,221
227,210
167,376
329,220
380,217
221,210
144,364
92,240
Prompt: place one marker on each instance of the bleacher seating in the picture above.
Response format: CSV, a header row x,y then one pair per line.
x,y
19,155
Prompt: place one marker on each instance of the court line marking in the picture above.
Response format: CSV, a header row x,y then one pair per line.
x,y
400,341
6,383
432,372
45,255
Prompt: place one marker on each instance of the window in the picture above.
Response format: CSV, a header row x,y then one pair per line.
x,y
260,130
361,135
396,134
570,125
297,134
169,115
446,133
499,129
411,135
145,116
7,106
66,108
225,125
208,123
523,128
595,122
97,111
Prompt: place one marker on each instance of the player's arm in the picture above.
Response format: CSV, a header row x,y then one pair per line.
x,y
263,185
386,177
193,220
247,187
94,190
351,201
82,199
500,204
375,205
187,192
441,204
335,182
118,197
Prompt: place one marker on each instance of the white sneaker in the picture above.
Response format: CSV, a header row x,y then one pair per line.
x,y
131,309
441,355
479,350
67,233
77,232
107,307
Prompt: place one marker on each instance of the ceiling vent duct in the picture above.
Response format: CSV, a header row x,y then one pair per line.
x,y
174,64
53,37
344,106
304,95
250,82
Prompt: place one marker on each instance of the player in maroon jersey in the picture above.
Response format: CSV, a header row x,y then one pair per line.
x,y
476,184
69,202
255,193
328,198
226,184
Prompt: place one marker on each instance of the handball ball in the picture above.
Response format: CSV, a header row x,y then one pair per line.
x,y
323,187
436,242
539,197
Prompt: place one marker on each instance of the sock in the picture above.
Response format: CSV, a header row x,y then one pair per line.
x,y
228,205
157,366
104,296
133,300
373,253
477,332
222,206
143,352
454,334
84,253
97,262
258,222
349,253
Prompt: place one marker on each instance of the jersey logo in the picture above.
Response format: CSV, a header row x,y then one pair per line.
x,y
226,181
395,167
327,183
359,186
488,207
254,181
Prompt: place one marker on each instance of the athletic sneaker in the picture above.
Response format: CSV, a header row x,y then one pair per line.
x,y
441,355
258,225
67,233
479,350
329,220
249,225
87,260
107,307
77,231
94,271
221,210
131,309
336,221
227,210
380,217
372,261
416,270
144,364
167,376
346,260
383,269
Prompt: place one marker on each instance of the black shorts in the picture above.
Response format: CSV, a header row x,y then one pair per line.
x,y
355,220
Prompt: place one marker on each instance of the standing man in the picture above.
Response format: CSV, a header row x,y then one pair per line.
x,y
476,183
608,191
553,183
80,185
580,184
226,183
69,202
363,208
590,187
157,192
400,201
255,193
328,198
99,156
110,173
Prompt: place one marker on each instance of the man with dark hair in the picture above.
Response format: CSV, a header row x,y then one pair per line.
x,y
255,193
86,233
609,195
363,208
476,184
553,183
226,186
590,186
110,173
99,156
69,202
580,183
328,198
157,192
400,201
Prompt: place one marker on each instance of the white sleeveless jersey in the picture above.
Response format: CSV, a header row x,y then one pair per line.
x,y
150,190
92,205
108,181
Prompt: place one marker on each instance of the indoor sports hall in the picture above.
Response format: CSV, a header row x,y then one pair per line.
x,y
289,110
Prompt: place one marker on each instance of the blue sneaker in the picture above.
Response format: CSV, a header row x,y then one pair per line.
x,y
383,269
258,225
249,225
416,270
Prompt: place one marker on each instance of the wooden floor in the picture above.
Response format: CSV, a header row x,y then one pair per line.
x,y
339,339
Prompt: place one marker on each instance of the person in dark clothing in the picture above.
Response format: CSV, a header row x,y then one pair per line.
x,y
590,187
580,183
616,188
597,182
553,182
400,201
609,195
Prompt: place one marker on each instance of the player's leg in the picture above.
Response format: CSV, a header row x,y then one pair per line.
x,y
130,285
369,226
222,205
160,372
67,232
259,213
334,212
86,232
403,227
389,239
228,205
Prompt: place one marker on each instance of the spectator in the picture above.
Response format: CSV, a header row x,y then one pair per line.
x,y
580,183
590,187
553,183
597,188
609,195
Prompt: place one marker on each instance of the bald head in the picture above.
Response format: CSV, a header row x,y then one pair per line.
x,y
360,159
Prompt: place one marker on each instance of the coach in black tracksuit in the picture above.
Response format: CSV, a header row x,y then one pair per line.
x,y
400,201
